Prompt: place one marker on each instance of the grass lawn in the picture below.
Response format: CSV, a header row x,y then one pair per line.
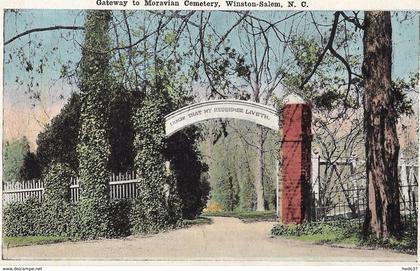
x,y
348,234
18,241
246,216
198,221
32,240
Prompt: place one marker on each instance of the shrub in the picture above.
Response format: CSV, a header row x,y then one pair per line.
x,y
56,209
120,217
212,207
53,219
47,218
57,183
21,218
339,227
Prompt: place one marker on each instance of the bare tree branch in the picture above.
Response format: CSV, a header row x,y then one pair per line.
x,y
222,39
354,20
326,49
329,47
43,29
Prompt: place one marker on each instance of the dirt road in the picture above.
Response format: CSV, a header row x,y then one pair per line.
x,y
224,239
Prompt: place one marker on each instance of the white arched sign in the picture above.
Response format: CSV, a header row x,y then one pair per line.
x,y
220,109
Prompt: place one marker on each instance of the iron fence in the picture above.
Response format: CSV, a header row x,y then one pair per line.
x,y
339,188
352,203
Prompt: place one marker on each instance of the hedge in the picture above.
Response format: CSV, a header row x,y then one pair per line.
x,y
21,218
34,218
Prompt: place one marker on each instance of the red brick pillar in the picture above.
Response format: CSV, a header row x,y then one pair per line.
x,y
295,172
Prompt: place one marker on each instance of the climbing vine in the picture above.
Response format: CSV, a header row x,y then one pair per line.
x,y
158,205
93,146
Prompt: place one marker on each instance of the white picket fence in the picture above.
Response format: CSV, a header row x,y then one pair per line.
x,y
20,191
121,186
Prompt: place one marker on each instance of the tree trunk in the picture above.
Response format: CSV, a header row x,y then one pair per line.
x,y
259,176
383,210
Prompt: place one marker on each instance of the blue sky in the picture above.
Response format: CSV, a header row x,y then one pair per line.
x,y
405,41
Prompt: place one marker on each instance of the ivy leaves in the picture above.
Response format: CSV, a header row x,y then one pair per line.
x,y
155,209
93,146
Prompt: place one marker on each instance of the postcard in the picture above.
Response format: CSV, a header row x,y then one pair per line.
x,y
208,132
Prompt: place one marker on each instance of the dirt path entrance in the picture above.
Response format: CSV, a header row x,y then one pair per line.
x,y
224,239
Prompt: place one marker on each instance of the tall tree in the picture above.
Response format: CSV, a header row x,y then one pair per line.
x,y
380,117
14,155
93,146
19,163
380,101
187,165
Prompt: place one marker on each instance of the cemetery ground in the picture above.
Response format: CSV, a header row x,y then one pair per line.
x,y
230,236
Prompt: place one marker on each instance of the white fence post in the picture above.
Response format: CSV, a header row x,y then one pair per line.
x,y
121,186
404,177
353,180
315,177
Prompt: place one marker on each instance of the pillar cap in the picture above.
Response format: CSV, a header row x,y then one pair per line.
x,y
294,99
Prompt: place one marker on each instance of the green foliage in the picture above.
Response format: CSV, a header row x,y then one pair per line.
x,y
121,133
346,232
226,192
188,167
52,216
246,216
57,216
18,241
232,176
196,221
224,175
229,70
306,51
119,214
349,233
247,191
14,154
57,210
158,205
57,183
30,169
93,218
93,145
181,148
401,88
315,228
328,86
20,218
33,218
58,141
19,163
